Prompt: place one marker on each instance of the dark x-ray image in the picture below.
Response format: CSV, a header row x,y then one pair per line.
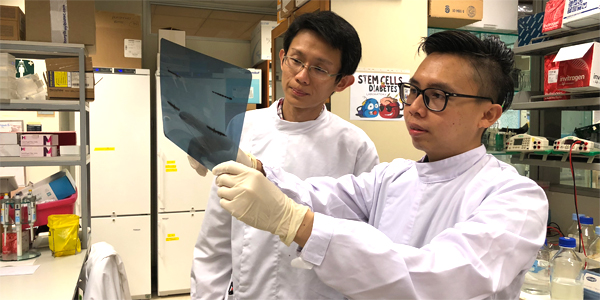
x,y
203,103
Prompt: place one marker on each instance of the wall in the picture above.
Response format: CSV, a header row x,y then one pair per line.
x,y
390,37
235,52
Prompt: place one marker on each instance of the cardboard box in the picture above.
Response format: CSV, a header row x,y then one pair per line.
x,y
10,150
39,139
454,13
255,87
498,16
12,22
551,78
260,44
280,19
62,78
118,41
300,3
286,7
39,151
553,16
579,68
65,138
173,35
8,138
57,186
45,23
580,13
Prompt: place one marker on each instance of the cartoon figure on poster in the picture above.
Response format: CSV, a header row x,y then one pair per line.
x,y
376,96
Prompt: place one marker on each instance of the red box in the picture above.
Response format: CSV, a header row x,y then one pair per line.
x,y
579,69
551,78
553,16
59,207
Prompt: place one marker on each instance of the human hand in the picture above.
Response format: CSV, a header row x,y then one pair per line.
x,y
244,158
251,198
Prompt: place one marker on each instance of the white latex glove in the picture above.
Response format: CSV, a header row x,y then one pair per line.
x,y
244,158
251,198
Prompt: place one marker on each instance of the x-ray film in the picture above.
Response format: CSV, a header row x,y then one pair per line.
x,y
203,103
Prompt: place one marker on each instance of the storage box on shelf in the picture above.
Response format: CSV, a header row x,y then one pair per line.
x,y
42,50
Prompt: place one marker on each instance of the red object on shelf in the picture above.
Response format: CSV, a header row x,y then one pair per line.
x,y
59,207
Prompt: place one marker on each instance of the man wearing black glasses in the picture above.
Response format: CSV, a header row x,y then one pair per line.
x,y
320,53
458,224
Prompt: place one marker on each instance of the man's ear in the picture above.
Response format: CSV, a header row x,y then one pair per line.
x,y
345,82
281,55
490,116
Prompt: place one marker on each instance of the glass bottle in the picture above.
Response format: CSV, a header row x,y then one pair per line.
x,y
566,272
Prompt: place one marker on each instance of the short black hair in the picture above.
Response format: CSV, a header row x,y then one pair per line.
x,y
491,59
336,31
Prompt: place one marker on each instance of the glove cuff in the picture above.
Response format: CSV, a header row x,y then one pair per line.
x,y
296,216
253,160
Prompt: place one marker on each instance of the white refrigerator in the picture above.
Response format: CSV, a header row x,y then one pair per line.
x,y
120,176
182,197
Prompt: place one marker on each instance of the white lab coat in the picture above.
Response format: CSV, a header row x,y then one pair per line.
x,y
259,262
467,227
105,274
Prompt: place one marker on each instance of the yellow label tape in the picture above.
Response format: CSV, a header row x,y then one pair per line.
x,y
105,149
172,239
171,167
170,162
170,235
171,170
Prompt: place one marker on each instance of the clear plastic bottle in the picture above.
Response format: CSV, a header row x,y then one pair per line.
x,y
587,231
537,280
566,272
594,249
573,230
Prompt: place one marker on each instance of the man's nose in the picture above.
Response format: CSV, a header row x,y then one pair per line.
x,y
418,106
303,76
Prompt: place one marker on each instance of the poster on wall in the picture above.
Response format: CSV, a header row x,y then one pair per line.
x,y
375,96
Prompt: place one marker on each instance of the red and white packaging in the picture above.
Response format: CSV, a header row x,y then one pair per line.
x,y
551,78
39,151
579,68
39,139
553,16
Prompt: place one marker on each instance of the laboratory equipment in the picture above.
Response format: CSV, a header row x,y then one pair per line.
x,y
573,230
537,279
587,232
566,272
594,248
31,213
4,218
17,203
203,103
121,163
584,146
527,143
181,200
13,237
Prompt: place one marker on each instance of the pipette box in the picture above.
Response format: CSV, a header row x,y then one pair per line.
x,y
591,284
39,139
39,151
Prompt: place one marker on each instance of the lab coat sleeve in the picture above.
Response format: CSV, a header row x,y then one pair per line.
x,y
212,265
470,260
367,158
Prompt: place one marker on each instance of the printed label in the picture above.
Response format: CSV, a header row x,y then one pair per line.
x,y
171,167
105,149
170,235
553,76
169,162
171,170
133,48
172,239
62,79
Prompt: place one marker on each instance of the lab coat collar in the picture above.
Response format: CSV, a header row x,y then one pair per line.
x,y
449,168
297,127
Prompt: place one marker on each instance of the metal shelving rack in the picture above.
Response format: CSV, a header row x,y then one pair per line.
x,y
546,114
40,50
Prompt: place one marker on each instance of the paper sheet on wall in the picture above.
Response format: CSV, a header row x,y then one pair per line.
x,y
375,96
203,103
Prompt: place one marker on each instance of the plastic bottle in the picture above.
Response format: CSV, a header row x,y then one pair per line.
x,y
566,272
594,249
587,231
537,280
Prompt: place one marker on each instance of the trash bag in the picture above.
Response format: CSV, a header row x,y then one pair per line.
x,y
63,237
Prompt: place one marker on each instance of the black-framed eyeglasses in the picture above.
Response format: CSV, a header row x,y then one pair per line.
x,y
434,99
315,72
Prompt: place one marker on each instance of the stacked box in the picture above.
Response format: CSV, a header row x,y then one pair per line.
x,y
12,22
8,77
9,145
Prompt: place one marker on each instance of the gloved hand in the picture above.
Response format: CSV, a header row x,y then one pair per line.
x,y
244,158
250,197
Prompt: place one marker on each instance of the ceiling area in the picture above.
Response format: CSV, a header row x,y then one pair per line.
x,y
215,19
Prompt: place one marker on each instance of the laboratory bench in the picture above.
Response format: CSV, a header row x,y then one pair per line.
x,y
56,278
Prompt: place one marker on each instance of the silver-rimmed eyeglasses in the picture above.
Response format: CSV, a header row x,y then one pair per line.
x,y
315,72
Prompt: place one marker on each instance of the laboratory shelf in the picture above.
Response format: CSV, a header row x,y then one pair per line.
x,y
65,160
42,105
553,45
556,161
40,50
592,103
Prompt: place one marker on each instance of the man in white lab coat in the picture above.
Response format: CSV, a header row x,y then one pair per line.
x,y
321,52
458,224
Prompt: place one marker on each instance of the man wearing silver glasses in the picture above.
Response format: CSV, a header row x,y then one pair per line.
x,y
321,52
457,224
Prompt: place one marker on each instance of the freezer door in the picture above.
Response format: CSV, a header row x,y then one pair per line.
x,y
180,188
130,236
120,145
177,234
